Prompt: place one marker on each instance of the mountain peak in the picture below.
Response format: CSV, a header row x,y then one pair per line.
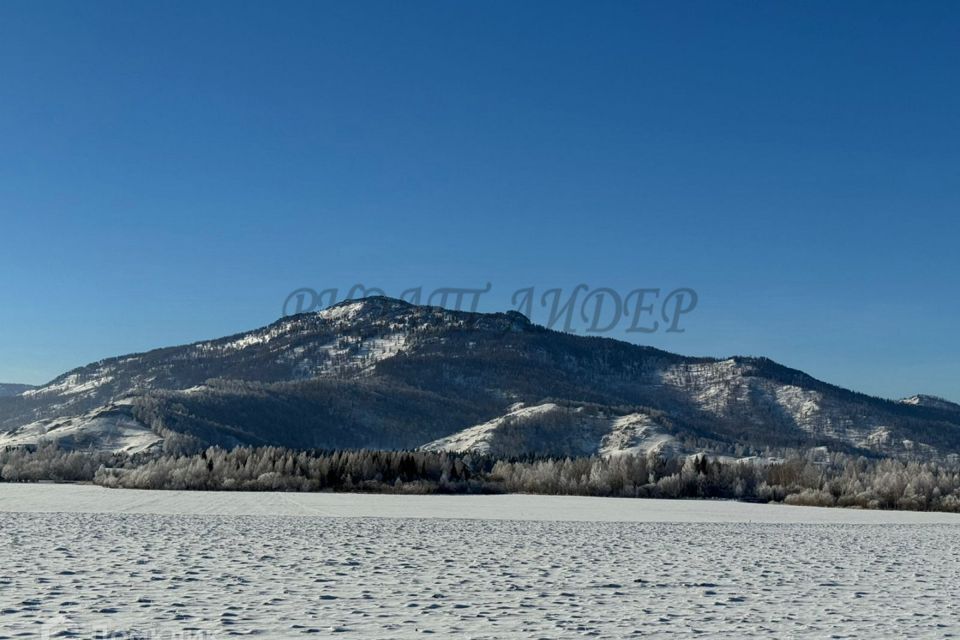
x,y
370,302
385,309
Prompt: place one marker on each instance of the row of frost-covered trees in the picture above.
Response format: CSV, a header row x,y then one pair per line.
x,y
52,464
803,479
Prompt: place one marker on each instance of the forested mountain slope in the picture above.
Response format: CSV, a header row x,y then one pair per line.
x,y
382,373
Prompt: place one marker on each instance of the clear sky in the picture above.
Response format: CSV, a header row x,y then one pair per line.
x,y
169,171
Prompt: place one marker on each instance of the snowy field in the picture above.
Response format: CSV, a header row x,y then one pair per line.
x,y
86,562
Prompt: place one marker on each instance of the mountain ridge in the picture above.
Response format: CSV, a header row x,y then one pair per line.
x,y
384,373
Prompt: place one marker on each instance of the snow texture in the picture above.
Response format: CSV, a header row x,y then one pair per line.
x,y
130,564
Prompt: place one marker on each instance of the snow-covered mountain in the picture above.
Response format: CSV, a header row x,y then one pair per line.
x,y
382,373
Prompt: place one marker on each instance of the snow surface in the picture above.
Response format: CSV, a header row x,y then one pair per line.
x,y
84,498
81,561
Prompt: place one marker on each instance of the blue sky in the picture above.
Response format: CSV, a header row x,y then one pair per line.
x,y
170,171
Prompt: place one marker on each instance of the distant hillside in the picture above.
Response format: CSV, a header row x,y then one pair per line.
x,y
7,389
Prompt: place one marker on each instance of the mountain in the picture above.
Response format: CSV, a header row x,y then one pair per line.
x,y
382,373
7,389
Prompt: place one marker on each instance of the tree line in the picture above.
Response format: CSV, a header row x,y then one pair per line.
x,y
812,478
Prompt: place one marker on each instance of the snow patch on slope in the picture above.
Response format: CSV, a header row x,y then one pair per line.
x,y
713,386
342,312
635,434
558,430
478,438
345,355
71,385
254,338
374,350
108,428
727,389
